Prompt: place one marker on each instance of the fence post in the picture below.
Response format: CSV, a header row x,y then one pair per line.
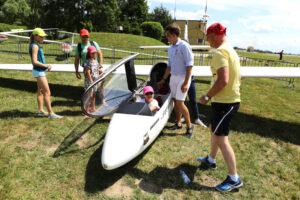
x,y
292,80
19,50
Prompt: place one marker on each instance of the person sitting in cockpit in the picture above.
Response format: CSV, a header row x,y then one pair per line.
x,y
149,99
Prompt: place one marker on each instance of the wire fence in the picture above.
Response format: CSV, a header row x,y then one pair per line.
x,y
56,53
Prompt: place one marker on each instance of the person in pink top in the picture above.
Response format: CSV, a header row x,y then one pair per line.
x,y
149,99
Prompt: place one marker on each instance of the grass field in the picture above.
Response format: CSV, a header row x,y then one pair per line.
x,y
61,159
269,56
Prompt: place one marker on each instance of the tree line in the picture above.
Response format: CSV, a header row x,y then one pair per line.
x,y
73,15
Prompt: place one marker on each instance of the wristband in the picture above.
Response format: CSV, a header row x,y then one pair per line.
x,y
207,98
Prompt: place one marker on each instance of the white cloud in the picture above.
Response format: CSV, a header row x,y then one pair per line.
x,y
225,22
189,15
272,43
270,24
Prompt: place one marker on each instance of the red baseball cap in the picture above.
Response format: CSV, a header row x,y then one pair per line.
x,y
84,32
216,28
148,89
91,49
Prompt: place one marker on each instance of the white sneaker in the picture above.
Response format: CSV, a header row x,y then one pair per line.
x,y
199,122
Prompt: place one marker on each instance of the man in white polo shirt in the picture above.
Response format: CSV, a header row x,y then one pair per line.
x,y
181,61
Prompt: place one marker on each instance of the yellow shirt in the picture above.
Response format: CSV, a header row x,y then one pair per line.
x,y
226,56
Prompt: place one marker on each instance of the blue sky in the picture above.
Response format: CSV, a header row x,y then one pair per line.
x,y
265,24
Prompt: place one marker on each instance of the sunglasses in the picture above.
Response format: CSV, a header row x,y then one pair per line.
x,y
85,36
149,93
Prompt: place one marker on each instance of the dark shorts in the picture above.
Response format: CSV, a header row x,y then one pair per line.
x,y
221,117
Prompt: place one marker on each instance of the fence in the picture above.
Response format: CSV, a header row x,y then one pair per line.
x,y
55,54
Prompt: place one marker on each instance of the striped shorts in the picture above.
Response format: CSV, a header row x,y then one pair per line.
x,y
221,117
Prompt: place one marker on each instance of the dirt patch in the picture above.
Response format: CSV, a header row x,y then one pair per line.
x,y
208,181
51,149
82,141
8,139
29,144
119,190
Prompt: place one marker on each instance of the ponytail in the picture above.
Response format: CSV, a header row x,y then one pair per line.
x,y
31,40
88,56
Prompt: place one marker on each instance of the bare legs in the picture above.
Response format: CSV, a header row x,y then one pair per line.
x,y
222,142
43,94
180,108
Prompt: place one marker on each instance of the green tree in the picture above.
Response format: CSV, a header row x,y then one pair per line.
x,y
152,29
14,11
9,11
133,14
162,15
36,13
105,15
69,15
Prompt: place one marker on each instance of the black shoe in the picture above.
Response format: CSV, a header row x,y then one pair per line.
x,y
174,127
205,161
189,131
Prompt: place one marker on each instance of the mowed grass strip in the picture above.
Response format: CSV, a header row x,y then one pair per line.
x,y
61,159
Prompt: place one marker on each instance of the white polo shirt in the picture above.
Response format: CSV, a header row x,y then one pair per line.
x,y
180,56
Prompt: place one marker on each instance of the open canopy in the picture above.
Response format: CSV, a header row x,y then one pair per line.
x,y
104,95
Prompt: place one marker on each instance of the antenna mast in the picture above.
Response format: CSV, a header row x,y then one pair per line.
x,y
205,12
175,11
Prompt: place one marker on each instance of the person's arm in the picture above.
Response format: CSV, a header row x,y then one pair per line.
x,y
99,70
166,75
76,64
221,82
188,58
35,61
88,72
100,57
154,106
188,75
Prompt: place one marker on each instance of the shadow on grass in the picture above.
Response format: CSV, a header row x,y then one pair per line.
x,y
78,131
70,103
57,90
245,123
24,114
202,81
265,127
15,114
161,178
98,179
61,58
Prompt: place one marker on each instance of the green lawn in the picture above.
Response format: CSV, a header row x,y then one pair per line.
x,y
61,159
116,46
269,56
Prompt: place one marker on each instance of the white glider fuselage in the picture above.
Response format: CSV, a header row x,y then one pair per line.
x,y
128,135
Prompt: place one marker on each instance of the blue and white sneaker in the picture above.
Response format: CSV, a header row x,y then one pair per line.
x,y
205,161
229,184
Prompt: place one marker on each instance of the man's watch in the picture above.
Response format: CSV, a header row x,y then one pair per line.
x,y
207,98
